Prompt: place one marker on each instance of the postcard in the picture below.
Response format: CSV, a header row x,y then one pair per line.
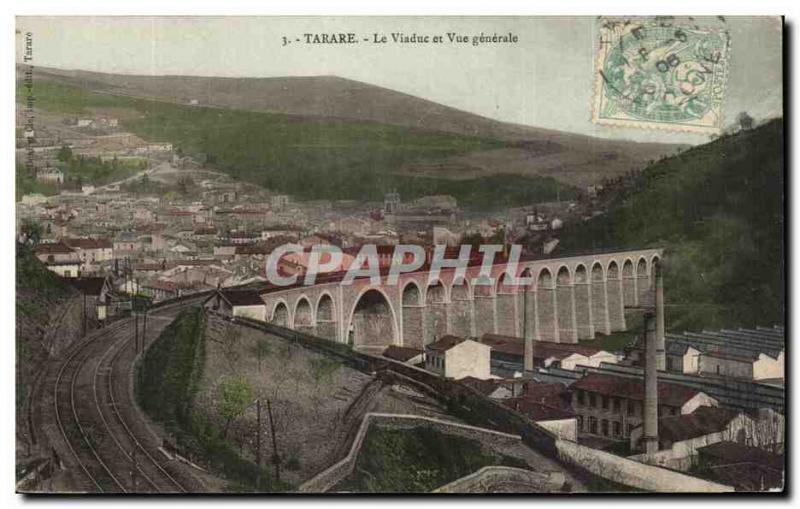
x,y
400,255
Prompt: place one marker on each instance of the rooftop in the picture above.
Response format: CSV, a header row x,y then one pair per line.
x,y
536,411
242,297
610,385
53,248
89,243
703,421
401,353
87,285
734,452
512,345
446,343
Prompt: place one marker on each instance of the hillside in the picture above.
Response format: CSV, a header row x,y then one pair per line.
x,y
520,150
48,319
718,211
311,158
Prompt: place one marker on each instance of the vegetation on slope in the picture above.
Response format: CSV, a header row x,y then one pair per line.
x,y
312,158
166,387
39,294
27,184
417,460
718,212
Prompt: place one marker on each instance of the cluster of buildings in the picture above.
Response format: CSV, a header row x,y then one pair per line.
x,y
756,354
222,232
710,423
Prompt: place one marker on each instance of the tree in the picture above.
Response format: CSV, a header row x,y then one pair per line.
x,y
184,185
64,154
745,121
234,396
144,182
31,232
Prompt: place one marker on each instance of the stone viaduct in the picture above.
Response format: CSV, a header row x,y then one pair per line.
x,y
569,299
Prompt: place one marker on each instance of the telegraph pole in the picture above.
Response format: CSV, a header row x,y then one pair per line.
x,y
135,317
84,311
144,327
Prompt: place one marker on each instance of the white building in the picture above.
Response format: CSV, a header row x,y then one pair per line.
x,y
50,175
59,258
233,303
455,357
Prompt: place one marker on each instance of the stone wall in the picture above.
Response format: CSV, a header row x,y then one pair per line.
x,y
632,473
484,315
413,330
461,318
372,329
493,479
506,314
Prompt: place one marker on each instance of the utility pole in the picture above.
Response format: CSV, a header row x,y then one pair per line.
x,y
144,327
275,457
84,311
650,425
135,320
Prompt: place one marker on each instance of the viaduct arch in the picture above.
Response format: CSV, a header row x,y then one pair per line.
x,y
566,300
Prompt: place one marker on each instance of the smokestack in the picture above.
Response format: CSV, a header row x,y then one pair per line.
x,y
650,385
661,360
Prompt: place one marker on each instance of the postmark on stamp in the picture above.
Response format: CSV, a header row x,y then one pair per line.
x,y
659,73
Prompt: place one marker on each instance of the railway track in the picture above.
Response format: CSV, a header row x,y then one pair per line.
x,y
95,415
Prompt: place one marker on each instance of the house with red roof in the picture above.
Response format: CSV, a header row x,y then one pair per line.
x,y
511,349
59,258
611,406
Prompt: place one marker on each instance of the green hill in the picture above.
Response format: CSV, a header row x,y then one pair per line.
x,y
309,157
718,211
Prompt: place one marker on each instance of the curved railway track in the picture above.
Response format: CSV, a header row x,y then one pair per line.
x,y
95,415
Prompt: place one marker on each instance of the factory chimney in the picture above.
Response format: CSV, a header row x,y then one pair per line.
x,y
661,362
650,435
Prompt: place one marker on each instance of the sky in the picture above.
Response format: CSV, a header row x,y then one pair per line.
x,y
544,80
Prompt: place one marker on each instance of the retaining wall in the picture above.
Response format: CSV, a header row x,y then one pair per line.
x,y
487,478
632,473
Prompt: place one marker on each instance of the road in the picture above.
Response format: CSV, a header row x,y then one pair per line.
x,y
90,418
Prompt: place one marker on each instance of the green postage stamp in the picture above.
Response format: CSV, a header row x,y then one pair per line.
x,y
660,73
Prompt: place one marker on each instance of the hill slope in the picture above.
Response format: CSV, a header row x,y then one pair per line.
x,y
525,151
312,158
718,211
48,319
